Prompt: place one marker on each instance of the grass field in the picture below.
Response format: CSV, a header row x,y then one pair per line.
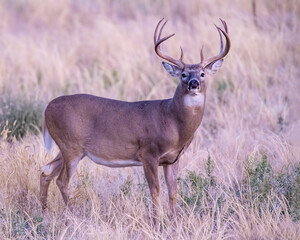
x,y
239,179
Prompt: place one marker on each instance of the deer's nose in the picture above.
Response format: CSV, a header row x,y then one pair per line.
x,y
193,84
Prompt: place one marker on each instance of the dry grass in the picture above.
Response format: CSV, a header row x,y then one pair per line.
x,y
50,48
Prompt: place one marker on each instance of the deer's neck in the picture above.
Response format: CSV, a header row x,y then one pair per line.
x,y
188,111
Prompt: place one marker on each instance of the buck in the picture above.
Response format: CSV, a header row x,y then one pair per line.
x,y
122,134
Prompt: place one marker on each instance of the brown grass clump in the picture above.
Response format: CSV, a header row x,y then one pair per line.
x,y
240,178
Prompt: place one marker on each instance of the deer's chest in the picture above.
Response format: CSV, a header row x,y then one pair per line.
x,y
194,100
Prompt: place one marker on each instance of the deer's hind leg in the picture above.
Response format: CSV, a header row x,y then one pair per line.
x,y
69,165
48,172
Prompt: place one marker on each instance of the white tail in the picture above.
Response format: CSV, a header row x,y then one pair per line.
x,y
48,140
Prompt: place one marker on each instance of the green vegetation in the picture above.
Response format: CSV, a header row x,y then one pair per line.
x,y
262,185
261,188
19,117
17,224
194,186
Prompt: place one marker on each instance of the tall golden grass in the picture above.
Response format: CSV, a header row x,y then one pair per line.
x,y
50,48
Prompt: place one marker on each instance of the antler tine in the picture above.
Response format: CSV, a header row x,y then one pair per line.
x,y
201,55
222,53
157,38
221,40
158,41
155,32
224,24
181,55
221,44
161,29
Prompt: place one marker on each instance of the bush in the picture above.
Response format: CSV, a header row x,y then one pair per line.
x,y
263,185
258,189
260,177
195,185
17,224
18,117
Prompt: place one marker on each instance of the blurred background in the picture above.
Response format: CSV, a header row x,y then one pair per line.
x,y
51,48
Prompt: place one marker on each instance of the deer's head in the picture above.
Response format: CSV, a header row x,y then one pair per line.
x,y
192,76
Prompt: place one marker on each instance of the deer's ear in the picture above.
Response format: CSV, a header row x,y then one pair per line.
x,y
213,67
172,69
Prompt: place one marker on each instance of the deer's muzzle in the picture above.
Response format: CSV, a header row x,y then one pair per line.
x,y
193,84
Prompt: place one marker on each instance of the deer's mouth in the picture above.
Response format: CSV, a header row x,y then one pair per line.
x,y
194,86
194,91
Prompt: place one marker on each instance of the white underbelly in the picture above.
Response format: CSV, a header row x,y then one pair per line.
x,y
113,163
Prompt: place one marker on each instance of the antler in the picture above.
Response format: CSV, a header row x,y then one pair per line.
x,y
222,53
158,41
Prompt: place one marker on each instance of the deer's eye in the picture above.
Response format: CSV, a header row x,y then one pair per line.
x,y
184,75
202,74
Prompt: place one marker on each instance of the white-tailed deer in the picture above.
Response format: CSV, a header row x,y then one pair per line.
x,y
121,134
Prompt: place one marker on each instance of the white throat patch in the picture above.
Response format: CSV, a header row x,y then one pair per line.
x,y
194,100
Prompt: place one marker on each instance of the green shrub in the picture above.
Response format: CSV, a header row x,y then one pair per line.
x,y
17,223
260,177
126,187
261,188
195,185
18,117
295,194
288,185
263,185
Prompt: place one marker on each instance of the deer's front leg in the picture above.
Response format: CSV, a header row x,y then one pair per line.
x,y
150,166
171,172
